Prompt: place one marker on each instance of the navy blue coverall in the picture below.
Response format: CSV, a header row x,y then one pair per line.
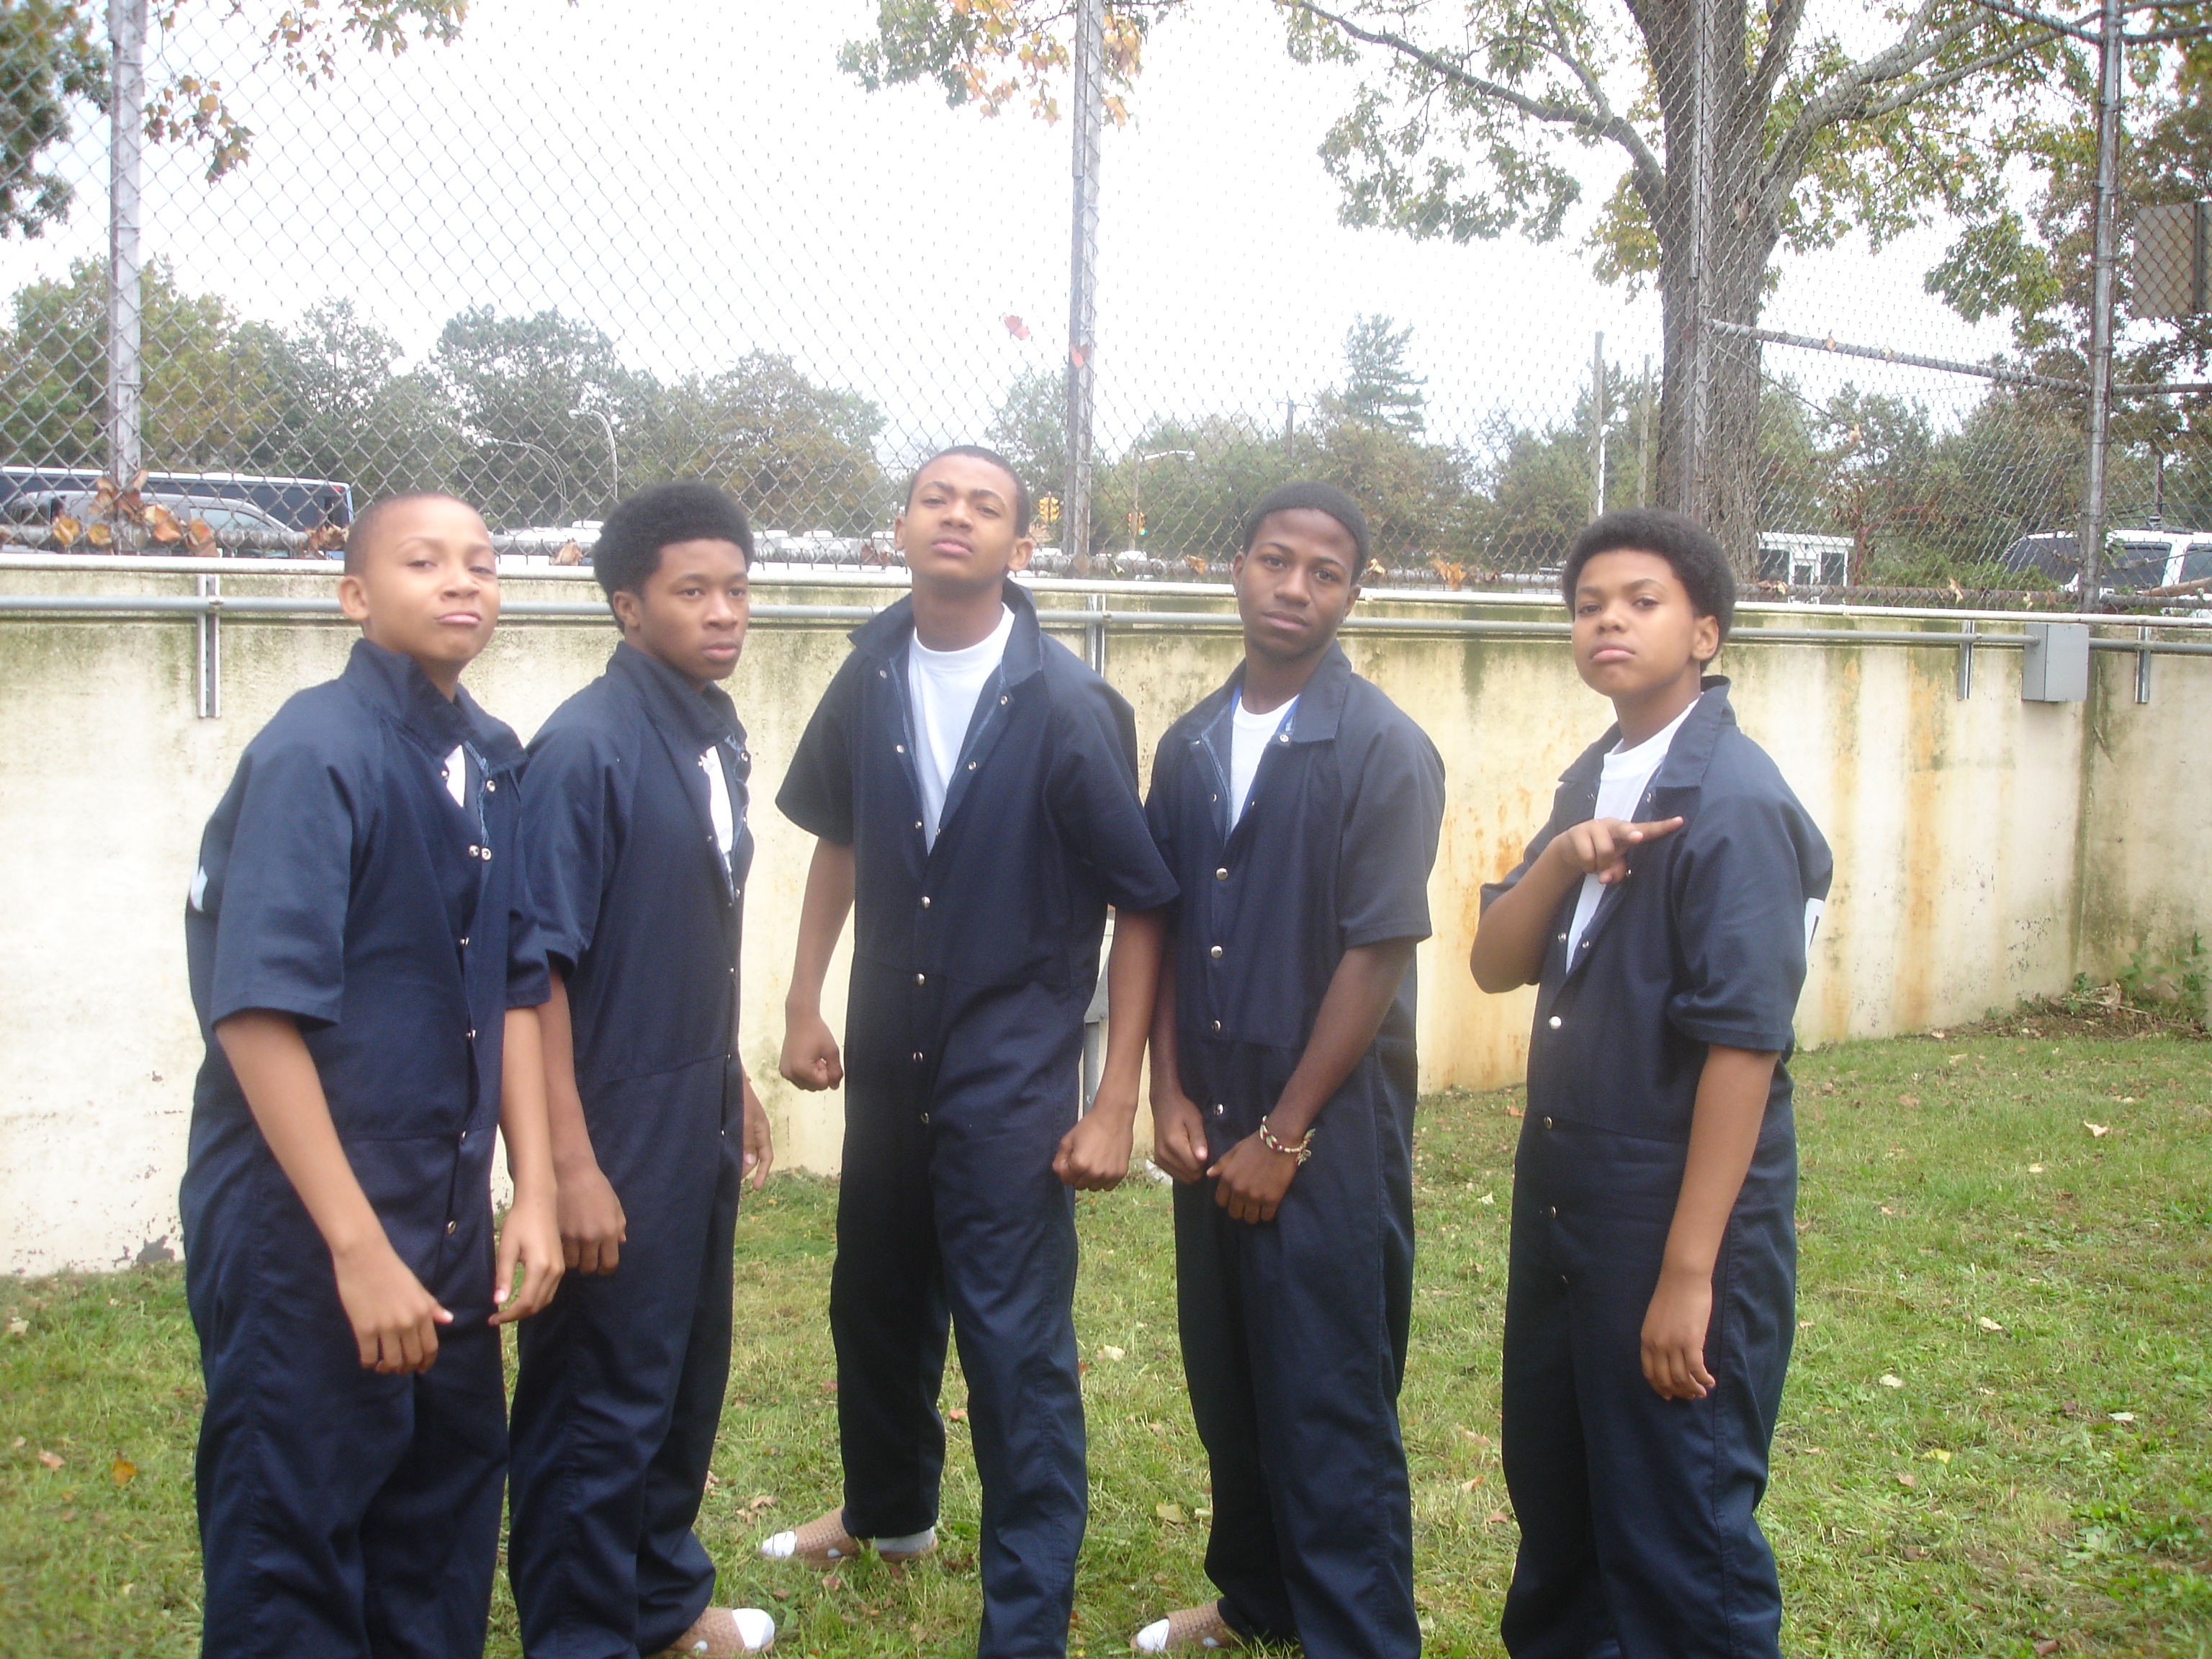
x,y
619,1391
1294,1330
973,962
342,1512
1638,1537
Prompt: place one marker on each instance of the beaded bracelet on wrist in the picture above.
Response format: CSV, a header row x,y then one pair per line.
x,y
1302,1152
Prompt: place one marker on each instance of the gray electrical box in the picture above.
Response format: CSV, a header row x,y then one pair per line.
x,y
2056,666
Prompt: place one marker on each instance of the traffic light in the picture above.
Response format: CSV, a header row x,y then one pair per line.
x,y
1047,511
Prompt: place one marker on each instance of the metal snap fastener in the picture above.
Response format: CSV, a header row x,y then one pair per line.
x,y
474,849
491,785
465,940
925,901
1548,1123
882,674
917,1056
1554,1212
1563,1282
920,979
1221,875
472,1033
1002,703
1563,939
1215,951
971,766
917,824
450,1226
898,749
925,1117
1554,1022
487,855
1217,1025
1218,1109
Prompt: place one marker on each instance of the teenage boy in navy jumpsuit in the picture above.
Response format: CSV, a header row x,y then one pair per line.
x,y
975,955
1283,1087
1650,1295
636,811
367,976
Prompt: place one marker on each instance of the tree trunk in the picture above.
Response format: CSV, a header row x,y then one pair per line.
x,y
1708,461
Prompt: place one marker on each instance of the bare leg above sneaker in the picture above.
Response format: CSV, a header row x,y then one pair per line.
x,y
824,1542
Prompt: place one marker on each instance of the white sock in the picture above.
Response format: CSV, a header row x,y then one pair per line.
x,y
908,1545
755,1628
1153,1638
780,1547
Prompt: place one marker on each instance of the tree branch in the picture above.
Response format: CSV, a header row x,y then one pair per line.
x,y
1781,40
1596,120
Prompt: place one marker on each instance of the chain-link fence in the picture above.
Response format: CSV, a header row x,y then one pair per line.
x,y
547,255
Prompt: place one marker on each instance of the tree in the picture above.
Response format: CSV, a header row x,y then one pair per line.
x,y
207,390
1461,135
1030,427
798,456
528,453
48,58
339,409
1378,389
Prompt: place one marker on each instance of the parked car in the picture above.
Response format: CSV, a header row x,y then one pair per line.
x,y
229,519
29,494
2134,560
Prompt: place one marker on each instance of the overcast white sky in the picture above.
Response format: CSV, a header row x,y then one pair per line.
x,y
697,178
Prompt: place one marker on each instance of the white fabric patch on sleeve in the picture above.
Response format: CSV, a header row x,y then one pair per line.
x,y
199,890
1812,910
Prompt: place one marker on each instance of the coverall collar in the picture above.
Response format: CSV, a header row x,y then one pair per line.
x,y
1687,757
884,635
704,713
1315,710
395,683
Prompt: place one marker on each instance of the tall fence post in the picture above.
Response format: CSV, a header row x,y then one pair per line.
x,y
2105,227
1704,128
126,31
1597,427
1089,101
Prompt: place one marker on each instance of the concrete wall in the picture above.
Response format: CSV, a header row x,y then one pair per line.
x,y
1986,848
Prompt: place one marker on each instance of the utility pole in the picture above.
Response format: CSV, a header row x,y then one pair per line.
x,y
1704,141
1289,432
126,144
1597,428
2104,204
1088,102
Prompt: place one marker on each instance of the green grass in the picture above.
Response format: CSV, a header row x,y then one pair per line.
x,y
2042,1488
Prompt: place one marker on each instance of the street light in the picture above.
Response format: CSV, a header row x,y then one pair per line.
x,y
1137,488
614,461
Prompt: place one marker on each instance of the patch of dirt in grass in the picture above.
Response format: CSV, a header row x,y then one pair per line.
x,y
2097,1013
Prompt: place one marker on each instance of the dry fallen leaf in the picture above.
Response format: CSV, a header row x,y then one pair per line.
x,y
2035,1169
1016,326
1496,1518
17,1327
2098,1130
100,535
781,1593
199,538
1940,1456
2122,1417
52,1460
122,1471
1170,1513
958,1414
1988,1323
66,529
1908,1100
1908,1479
163,524
1113,1352
1891,1380
1469,1486
1487,1198
2046,1648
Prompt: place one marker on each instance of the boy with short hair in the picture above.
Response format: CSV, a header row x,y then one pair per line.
x,y
1298,810
973,788
1664,914
639,850
367,973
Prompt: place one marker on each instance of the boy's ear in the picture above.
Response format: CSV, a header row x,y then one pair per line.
x,y
1023,547
353,597
625,606
1706,640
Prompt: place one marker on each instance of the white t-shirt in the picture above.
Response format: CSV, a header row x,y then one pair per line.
x,y
1248,739
943,686
454,774
1620,787
718,803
